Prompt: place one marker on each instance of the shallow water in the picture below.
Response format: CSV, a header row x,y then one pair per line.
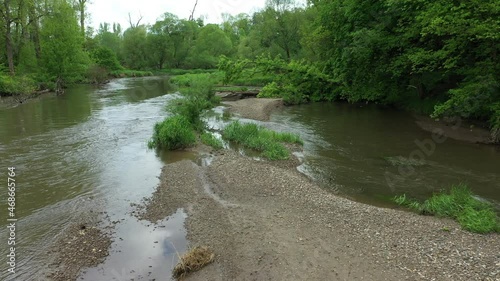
x,y
360,153
83,149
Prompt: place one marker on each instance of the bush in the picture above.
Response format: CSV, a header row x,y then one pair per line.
x,y
16,85
296,81
198,96
106,58
268,142
172,134
460,204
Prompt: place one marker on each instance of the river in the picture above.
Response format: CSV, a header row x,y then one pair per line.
x,y
88,148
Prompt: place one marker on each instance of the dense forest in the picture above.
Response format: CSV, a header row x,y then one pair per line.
x,y
439,57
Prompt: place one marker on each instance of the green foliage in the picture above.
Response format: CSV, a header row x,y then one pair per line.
x,y
178,71
394,51
16,85
211,43
130,73
460,204
135,47
296,81
210,140
172,134
28,62
268,142
198,96
106,58
63,58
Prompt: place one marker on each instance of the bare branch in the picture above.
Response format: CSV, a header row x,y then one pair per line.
x,y
191,17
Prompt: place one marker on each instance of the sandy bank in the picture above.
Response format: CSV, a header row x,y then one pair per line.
x,y
254,108
271,223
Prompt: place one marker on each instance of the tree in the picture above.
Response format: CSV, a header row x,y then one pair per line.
x,y
161,40
6,13
210,44
135,47
81,7
63,57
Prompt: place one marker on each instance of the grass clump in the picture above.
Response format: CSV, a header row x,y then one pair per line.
x,y
268,142
210,140
173,133
192,261
459,204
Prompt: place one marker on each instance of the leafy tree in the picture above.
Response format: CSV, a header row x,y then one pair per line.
x,y
63,58
135,47
211,43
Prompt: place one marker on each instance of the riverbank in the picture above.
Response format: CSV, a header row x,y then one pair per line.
x,y
269,222
456,128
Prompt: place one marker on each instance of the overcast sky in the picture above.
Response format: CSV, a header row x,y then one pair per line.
x,y
117,10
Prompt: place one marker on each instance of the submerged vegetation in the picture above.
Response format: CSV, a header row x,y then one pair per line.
x,y
268,142
459,204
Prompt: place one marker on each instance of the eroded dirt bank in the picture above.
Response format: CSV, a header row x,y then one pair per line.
x,y
267,222
456,128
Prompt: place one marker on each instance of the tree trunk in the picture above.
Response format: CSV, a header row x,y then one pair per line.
x,y
35,31
9,50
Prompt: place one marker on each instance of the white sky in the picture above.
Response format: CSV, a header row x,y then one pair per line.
x,y
117,10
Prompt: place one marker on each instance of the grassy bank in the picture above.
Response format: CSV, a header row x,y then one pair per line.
x,y
459,204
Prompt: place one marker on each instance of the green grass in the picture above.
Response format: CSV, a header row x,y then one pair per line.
x,y
258,138
210,140
173,133
459,204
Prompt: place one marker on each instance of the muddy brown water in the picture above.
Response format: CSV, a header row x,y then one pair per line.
x,y
90,145
371,154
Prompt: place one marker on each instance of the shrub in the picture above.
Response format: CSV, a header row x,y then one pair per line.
x,y
198,96
460,204
106,58
172,134
268,142
296,81
16,85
